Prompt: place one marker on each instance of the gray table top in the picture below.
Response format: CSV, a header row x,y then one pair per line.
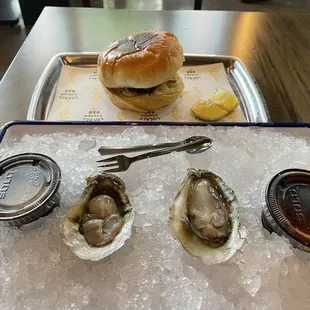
x,y
275,47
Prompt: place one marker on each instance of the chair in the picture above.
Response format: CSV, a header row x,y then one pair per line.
x,y
197,4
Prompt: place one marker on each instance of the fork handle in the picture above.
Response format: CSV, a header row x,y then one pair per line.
x,y
165,151
117,150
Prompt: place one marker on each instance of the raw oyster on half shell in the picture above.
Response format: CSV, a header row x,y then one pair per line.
x,y
204,217
101,221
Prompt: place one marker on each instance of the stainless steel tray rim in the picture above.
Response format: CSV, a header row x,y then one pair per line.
x,y
6,126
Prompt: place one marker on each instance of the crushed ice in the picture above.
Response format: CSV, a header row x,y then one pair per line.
x,y
152,271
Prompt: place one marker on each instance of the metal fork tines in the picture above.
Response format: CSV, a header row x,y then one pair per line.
x,y
122,163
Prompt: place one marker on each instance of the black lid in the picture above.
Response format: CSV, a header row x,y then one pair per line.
x,y
29,185
288,202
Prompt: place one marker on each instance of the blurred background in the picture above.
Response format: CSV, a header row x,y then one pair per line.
x,y
18,16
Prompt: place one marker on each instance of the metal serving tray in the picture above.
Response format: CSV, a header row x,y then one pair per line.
x,y
251,100
15,131
20,128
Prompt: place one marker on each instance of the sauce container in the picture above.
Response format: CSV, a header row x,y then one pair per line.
x,y
286,207
29,186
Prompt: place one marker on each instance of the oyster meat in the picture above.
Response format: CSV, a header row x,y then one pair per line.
x,y
101,221
204,217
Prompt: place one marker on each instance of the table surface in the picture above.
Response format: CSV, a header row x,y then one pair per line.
x,y
275,47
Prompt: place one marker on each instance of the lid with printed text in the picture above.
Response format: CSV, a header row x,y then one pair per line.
x,y
287,209
29,185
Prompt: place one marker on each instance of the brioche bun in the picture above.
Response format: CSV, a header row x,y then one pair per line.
x,y
142,60
163,95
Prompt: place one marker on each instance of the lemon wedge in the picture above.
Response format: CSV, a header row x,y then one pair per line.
x,y
208,111
225,99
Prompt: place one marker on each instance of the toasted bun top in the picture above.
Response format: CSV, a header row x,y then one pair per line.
x,y
142,60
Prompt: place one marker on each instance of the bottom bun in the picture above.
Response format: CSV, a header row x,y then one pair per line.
x,y
149,99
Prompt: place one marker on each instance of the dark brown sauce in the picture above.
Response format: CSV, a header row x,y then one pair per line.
x,y
141,91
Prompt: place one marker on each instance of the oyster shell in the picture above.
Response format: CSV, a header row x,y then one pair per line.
x,y
101,221
204,217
